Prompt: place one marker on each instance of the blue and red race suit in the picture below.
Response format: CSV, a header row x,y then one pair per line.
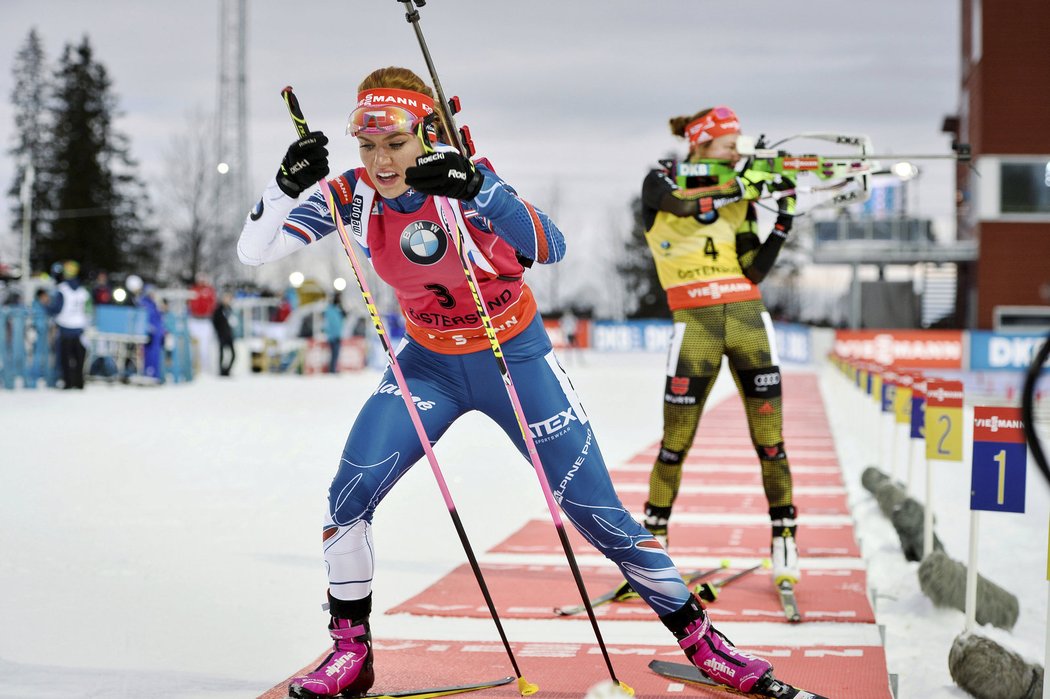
x,y
450,369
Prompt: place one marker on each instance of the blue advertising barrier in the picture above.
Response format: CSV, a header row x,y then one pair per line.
x,y
793,341
991,351
120,320
631,335
180,362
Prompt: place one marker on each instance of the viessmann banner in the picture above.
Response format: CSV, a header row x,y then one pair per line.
x,y
921,349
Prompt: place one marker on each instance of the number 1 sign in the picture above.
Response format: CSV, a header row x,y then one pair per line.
x,y
999,460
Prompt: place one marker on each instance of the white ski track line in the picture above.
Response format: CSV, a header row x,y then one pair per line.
x,y
630,633
711,452
684,563
759,518
820,521
694,468
692,489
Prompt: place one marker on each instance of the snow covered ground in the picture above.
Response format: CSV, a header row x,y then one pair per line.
x,y
167,540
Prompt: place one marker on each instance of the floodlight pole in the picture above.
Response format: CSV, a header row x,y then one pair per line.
x,y
27,220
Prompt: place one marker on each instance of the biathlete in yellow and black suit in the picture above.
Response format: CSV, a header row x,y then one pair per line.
x,y
709,259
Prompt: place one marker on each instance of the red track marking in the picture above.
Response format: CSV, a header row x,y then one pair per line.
x,y
564,670
722,456
533,591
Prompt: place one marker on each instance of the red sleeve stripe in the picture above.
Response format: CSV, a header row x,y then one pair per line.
x,y
298,233
342,189
541,236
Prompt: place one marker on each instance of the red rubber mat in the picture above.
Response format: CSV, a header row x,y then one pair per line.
x,y
744,502
533,591
568,670
722,461
721,540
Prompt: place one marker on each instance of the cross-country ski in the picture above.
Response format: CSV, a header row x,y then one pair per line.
x,y
624,592
768,687
786,592
423,693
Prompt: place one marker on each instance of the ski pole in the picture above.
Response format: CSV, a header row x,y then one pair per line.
x,y
715,587
526,688
449,221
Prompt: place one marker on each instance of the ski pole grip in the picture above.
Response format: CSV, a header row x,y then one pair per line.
x,y
295,111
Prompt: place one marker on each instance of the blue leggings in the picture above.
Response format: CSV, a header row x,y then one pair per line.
x,y
383,445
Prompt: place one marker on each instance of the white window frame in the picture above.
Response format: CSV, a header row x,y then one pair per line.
x,y
987,188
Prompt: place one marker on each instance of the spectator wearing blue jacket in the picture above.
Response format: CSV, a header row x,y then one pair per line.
x,y
334,316
153,361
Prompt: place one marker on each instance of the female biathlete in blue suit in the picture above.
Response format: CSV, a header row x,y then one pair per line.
x,y
389,205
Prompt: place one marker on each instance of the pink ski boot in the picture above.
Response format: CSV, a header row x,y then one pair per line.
x,y
713,654
347,671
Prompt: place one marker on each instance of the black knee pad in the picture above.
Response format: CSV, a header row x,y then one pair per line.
x,y
773,452
760,383
685,390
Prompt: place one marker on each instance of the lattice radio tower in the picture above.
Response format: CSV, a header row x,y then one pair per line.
x,y
231,131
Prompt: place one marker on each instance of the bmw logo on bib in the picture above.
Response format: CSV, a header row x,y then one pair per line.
x,y
424,242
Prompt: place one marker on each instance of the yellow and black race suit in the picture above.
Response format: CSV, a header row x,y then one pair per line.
x,y
709,260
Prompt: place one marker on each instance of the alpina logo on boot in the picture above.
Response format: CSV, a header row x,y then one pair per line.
x,y
716,665
338,663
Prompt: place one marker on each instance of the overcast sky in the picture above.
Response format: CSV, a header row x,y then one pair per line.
x,y
566,95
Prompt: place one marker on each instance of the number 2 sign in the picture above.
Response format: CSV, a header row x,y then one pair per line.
x,y
944,420
999,460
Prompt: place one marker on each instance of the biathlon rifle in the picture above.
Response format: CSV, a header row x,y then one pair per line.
x,y
835,172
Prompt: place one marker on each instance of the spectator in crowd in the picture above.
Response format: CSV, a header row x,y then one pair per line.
x,y
40,323
283,310
224,332
71,307
133,286
202,330
153,359
569,326
334,315
101,291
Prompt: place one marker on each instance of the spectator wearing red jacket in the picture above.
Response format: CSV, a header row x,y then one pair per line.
x,y
201,306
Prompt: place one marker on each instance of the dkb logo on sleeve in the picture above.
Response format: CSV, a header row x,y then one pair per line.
x,y
424,242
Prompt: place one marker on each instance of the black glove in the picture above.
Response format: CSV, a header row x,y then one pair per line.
x,y
305,163
785,205
445,174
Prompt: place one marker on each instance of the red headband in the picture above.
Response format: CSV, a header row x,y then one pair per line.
x,y
415,102
717,122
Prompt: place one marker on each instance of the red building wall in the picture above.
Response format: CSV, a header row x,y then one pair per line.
x,y
1006,111
1013,268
